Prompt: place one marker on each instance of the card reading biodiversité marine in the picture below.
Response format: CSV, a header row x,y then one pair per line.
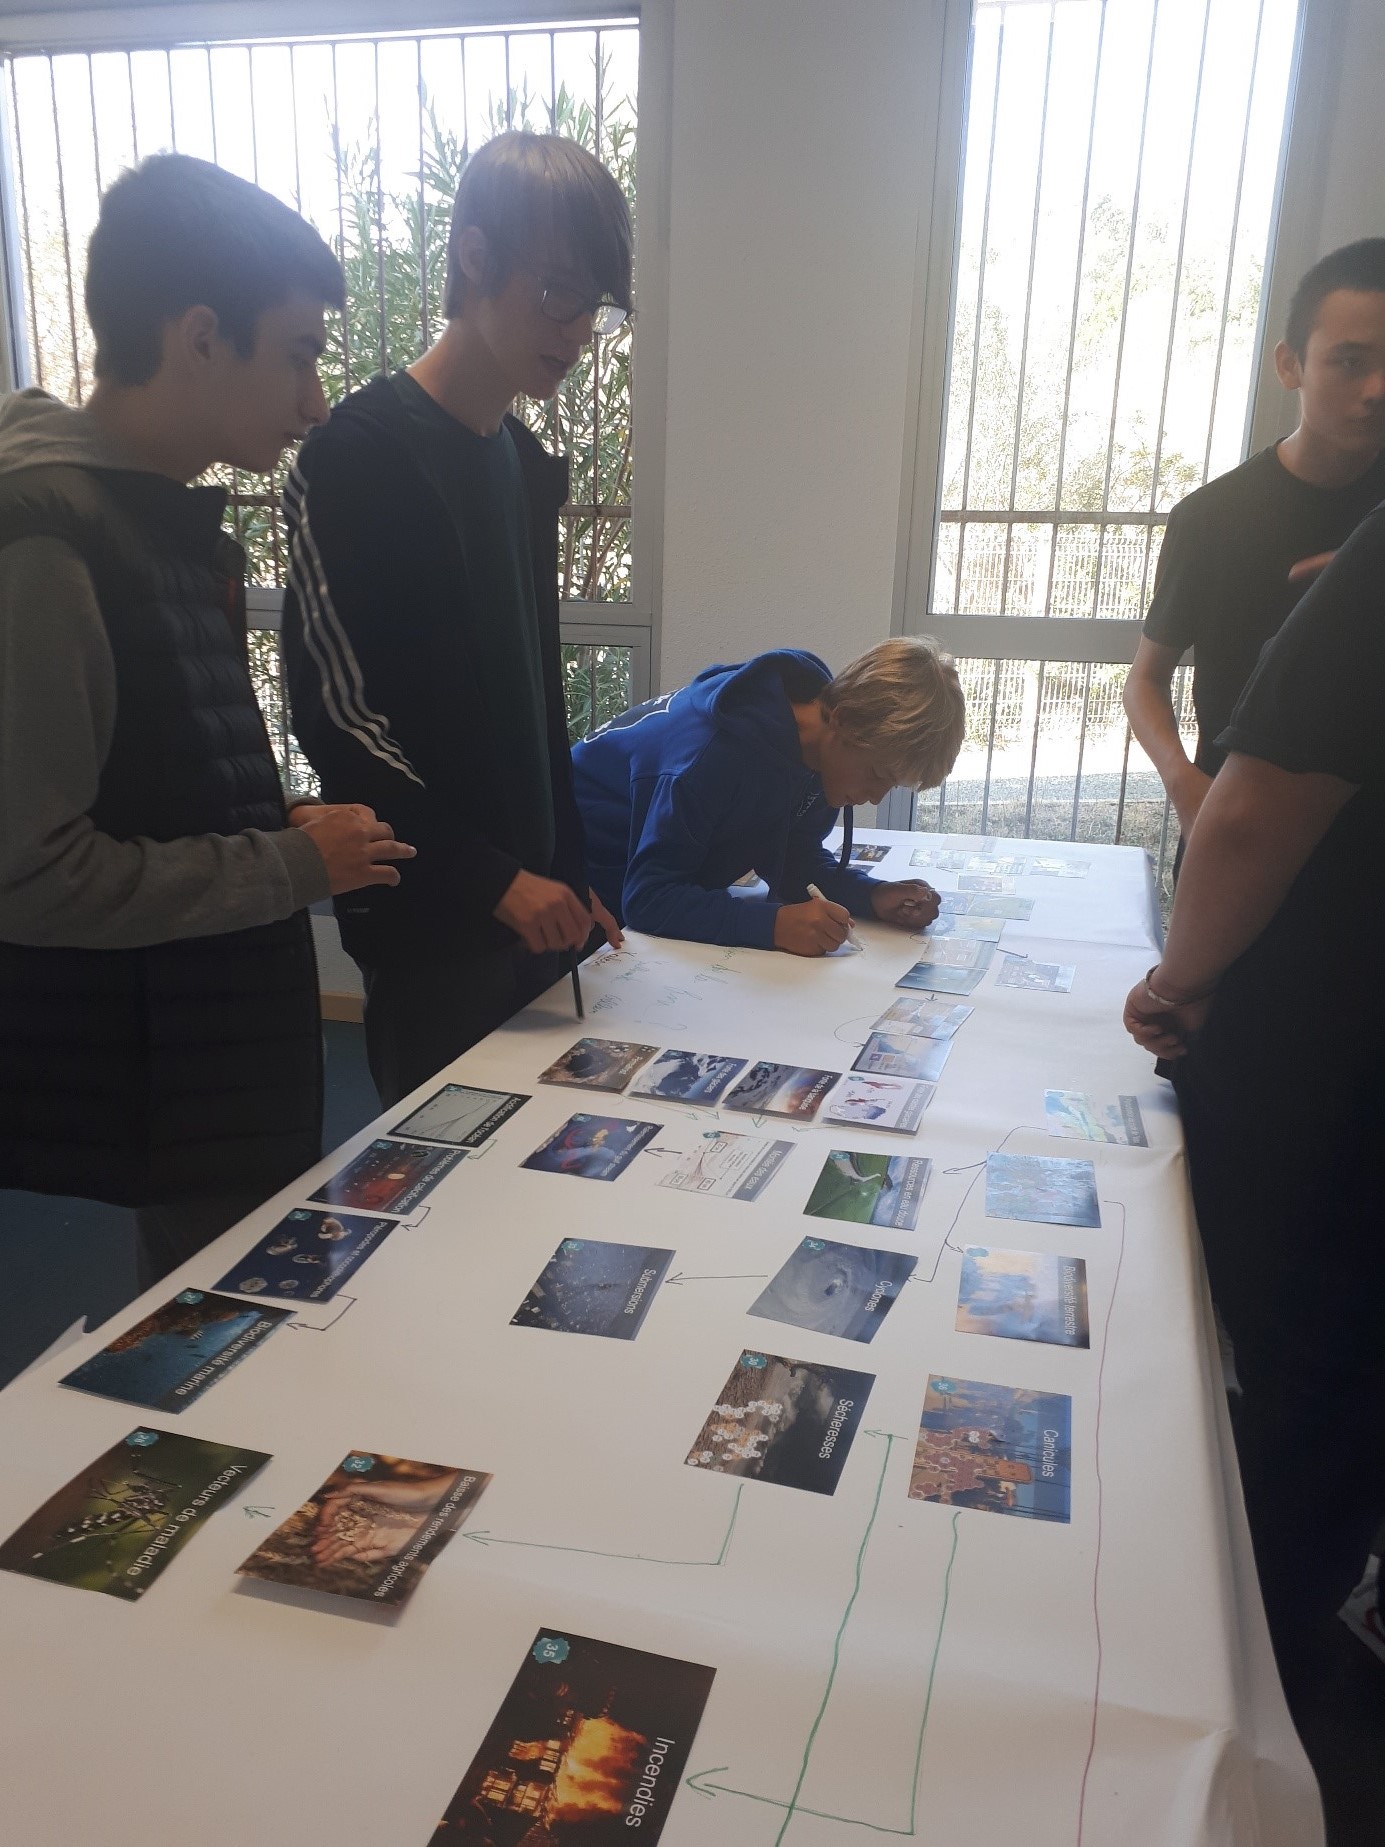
x,y
592,1147
589,1287
830,1288
871,1102
308,1255
781,1090
598,1064
589,1744
1023,1295
371,1530
687,1077
787,1421
929,1018
170,1357
1042,1189
904,1055
725,1165
461,1115
389,1176
999,1448
115,1526
870,1189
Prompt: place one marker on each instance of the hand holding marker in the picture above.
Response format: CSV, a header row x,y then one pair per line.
x,y
853,942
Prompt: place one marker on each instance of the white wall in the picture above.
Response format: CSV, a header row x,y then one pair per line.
x,y
796,190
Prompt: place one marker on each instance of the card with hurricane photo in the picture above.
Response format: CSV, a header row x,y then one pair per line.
x,y
1042,1189
840,1289
928,1018
389,1176
461,1115
781,1090
598,1064
871,1102
787,1421
1035,977
724,1165
592,1147
687,1077
308,1255
870,1189
868,853
904,1055
590,1287
1072,1113
1024,1295
170,1357
998,1448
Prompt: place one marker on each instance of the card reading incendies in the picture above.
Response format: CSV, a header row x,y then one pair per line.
x,y
1043,1189
781,1090
598,1064
996,1447
727,1166
461,1115
115,1526
590,1743
870,1189
592,1147
389,1176
1024,1295
841,1289
308,1255
588,1287
903,1055
170,1358
371,1530
687,1077
871,1102
787,1421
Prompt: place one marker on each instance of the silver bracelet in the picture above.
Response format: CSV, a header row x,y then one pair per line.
x,y
1162,1000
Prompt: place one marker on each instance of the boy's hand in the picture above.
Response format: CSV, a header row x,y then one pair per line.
x,y
544,914
356,848
605,922
812,929
908,904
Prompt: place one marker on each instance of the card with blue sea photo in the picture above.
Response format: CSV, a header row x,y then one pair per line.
x,y
785,1421
308,1255
1035,977
1024,1295
170,1357
781,1090
588,1287
873,1102
389,1176
840,1289
904,1055
598,1064
936,979
999,1448
727,1166
1042,1189
868,853
687,1077
1073,1114
870,1189
592,1147
929,1018
461,1115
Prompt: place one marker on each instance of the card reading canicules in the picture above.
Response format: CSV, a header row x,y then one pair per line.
x,y
999,1448
785,1421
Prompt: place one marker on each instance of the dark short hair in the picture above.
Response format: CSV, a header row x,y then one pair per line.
x,y
1354,266
526,192
176,233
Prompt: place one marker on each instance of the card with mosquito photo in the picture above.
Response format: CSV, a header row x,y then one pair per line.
x,y
1059,868
868,853
308,1255
1041,1189
934,978
1024,1295
461,1115
590,1742
1073,1113
168,1359
871,1102
781,1090
598,1064
841,1289
998,1448
870,1189
904,1055
724,1165
116,1525
1035,977
592,1147
389,1176
787,1421
687,1077
371,1530
993,884
589,1287
928,1018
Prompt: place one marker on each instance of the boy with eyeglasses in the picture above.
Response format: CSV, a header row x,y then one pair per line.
x,y
421,619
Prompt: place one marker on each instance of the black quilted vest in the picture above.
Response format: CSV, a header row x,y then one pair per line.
x,y
142,1075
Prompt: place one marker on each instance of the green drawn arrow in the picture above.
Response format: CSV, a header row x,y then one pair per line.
x,y
701,1781
483,1538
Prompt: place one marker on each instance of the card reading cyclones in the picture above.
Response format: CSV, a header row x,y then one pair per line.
x,y
170,1357
830,1288
589,1744
589,1287
389,1176
999,1448
461,1115
598,1064
308,1255
786,1421
371,1530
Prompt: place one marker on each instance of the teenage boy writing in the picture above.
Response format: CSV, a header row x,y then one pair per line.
x,y
1240,552
421,624
159,1033
746,769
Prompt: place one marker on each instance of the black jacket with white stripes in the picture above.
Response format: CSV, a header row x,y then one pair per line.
x,y
387,700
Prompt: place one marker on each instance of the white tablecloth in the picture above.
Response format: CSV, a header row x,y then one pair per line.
x,y
884,1666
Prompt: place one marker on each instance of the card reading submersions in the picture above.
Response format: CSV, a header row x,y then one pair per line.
x,y
999,1448
588,1287
830,1288
598,1064
389,1176
592,1147
308,1255
787,1421
170,1357
1024,1295
461,1115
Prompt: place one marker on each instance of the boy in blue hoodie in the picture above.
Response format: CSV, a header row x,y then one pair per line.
x,y
746,769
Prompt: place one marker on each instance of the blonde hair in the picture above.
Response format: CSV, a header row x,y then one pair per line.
x,y
902,699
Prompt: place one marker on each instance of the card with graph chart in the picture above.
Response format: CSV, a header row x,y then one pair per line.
x,y
114,1527
687,1077
598,1064
590,1287
389,1176
308,1255
724,1165
782,1090
1043,1189
871,1102
592,1147
589,1744
903,1055
870,1189
170,1357
787,1421
931,1019
461,1115
1023,1295
830,1288
1073,1114
998,1448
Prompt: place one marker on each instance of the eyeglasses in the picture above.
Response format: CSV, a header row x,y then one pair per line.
x,y
565,305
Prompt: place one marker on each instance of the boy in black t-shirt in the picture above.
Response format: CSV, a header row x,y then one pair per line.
x,y
1240,552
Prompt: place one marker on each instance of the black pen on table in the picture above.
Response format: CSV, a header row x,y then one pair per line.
x,y
577,985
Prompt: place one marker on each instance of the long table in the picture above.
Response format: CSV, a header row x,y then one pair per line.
x,y
885,1666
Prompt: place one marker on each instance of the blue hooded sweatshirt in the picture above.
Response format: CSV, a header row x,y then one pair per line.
x,y
683,795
